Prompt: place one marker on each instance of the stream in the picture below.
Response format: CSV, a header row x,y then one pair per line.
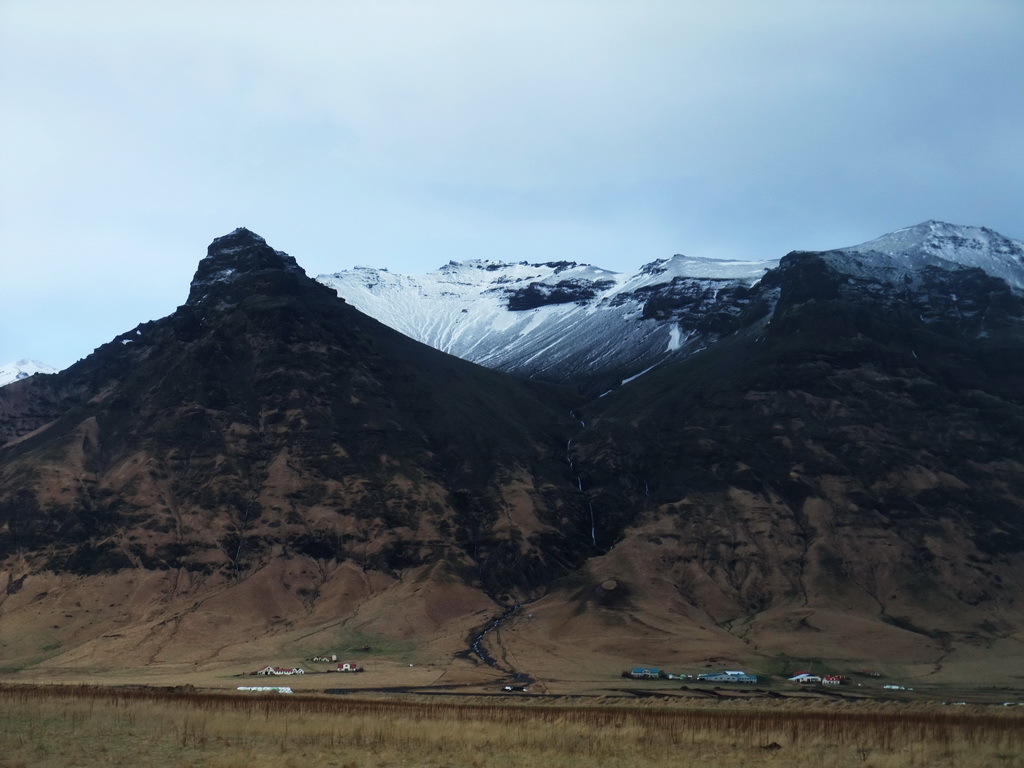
x,y
476,648
579,482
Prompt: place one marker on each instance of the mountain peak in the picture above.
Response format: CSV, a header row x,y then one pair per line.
x,y
238,254
941,239
238,237
938,243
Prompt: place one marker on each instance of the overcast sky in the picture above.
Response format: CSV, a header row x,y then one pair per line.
x,y
406,134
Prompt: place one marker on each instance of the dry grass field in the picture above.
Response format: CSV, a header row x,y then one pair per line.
x,y
55,725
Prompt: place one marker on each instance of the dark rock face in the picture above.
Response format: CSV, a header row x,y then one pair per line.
x,y
266,416
709,308
243,260
863,445
564,292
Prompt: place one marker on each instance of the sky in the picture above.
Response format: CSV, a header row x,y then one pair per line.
x,y
405,134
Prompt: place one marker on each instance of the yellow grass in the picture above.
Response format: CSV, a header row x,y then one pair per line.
x,y
44,726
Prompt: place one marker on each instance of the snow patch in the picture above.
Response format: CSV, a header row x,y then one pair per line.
x,y
638,375
674,338
22,369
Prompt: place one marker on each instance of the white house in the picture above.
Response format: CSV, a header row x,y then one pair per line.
x,y
729,676
269,670
805,678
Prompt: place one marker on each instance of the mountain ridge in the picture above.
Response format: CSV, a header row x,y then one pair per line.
x,y
487,311
572,323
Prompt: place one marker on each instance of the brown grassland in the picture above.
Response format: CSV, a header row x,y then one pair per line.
x,y
57,725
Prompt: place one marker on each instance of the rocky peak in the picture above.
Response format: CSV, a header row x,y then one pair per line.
x,y
943,245
239,255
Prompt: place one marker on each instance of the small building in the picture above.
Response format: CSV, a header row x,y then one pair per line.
x,y
729,676
833,679
643,673
269,670
805,678
324,658
348,666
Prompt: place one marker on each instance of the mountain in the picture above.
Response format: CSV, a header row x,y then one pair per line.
x,y
22,369
594,329
270,448
830,467
560,321
834,463
938,244
849,466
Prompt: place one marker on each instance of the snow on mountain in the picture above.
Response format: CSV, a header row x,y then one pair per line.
x,y
698,267
563,321
22,369
937,244
555,320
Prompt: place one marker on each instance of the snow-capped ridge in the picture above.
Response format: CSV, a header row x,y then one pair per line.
x,y
567,321
22,369
701,267
543,319
940,244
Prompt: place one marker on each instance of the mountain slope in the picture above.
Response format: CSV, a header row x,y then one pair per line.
x,y
559,321
847,472
268,428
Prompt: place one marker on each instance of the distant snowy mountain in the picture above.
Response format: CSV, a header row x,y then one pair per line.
x,y
569,322
22,369
558,321
936,244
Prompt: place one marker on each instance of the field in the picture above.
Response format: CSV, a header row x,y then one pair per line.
x,y
55,725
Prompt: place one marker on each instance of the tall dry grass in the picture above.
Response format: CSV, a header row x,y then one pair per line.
x,y
44,726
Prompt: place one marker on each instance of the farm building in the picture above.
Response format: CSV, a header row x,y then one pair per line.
x,y
324,657
729,676
269,670
348,666
643,673
805,678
